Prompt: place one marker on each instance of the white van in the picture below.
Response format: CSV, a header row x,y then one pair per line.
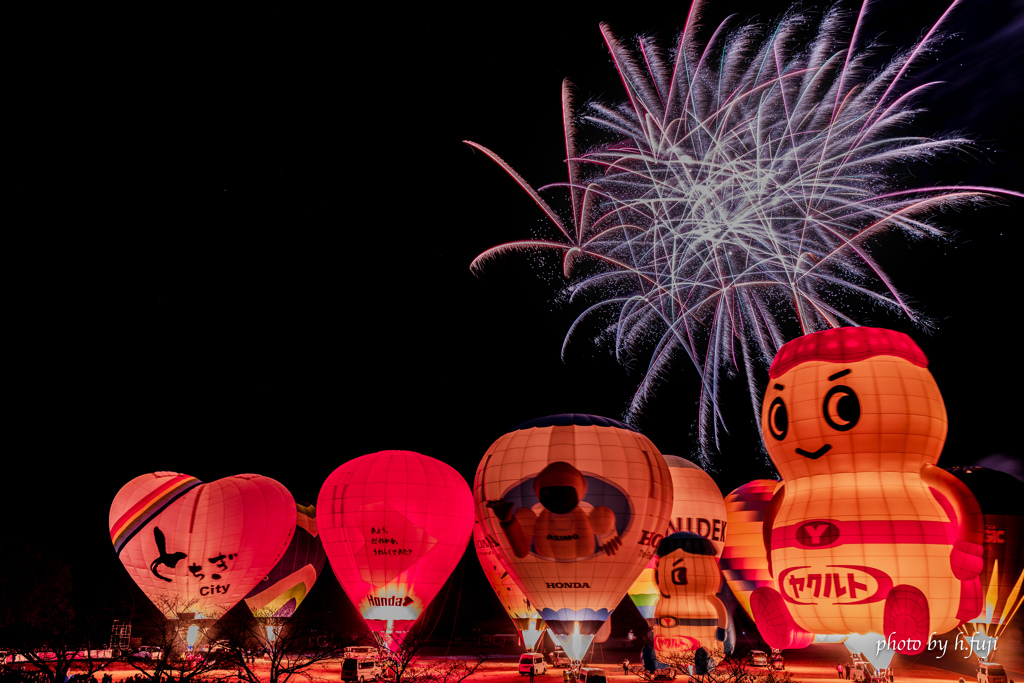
x,y
532,661
360,669
590,674
990,672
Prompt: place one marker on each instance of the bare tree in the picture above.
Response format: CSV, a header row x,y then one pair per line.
x,y
405,665
39,621
175,661
288,644
715,667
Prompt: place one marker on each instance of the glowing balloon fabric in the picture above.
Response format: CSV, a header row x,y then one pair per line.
x,y
523,614
1001,497
284,588
394,524
858,543
198,548
697,507
744,561
689,615
572,504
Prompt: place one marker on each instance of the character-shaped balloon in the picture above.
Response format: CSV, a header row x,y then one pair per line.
x,y
697,507
518,607
196,548
284,588
1001,496
571,504
689,615
857,541
394,525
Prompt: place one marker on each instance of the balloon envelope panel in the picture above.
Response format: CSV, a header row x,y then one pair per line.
x,y
199,548
584,496
394,525
518,607
284,588
744,561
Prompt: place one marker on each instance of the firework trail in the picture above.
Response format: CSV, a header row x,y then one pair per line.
x,y
735,208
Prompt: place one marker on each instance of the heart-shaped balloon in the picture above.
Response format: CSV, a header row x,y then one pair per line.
x,y
196,548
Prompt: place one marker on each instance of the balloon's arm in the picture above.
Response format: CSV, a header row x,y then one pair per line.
x,y
967,558
518,530
602,521
723,613
770,513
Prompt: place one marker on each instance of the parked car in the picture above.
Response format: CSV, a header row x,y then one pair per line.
x,y
757,658
149,652
532,661
590,674
360,669
776,662
360,651
990,672
559,659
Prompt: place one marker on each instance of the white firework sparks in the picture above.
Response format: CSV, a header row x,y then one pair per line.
x,y
735,209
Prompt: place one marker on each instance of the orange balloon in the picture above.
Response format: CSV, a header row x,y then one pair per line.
x,y
689,615
518,607
858,541
744,560
572,504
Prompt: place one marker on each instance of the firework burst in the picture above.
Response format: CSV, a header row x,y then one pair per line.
x,y
735,208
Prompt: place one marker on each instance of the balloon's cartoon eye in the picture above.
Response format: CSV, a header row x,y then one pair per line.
x,y
778,419
841,408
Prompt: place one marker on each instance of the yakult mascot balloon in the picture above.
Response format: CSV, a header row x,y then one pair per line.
x,y
857,539
688,614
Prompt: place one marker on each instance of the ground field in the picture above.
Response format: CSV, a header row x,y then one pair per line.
x,y
814,664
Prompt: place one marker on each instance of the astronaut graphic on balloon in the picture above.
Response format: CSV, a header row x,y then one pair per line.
x,y
563,529
866,534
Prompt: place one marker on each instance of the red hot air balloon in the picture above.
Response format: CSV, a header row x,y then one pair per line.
x,y
394,525
196,548
857,540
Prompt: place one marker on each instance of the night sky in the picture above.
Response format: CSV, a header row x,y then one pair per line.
x,y
251,234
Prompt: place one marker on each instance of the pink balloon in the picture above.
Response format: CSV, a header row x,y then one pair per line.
x,y
198,548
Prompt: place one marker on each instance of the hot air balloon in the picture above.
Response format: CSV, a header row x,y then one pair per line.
x,y
857,541
697,507
744,561
1001,497
394,524
523,614
689,615
573,504
284,588
196,549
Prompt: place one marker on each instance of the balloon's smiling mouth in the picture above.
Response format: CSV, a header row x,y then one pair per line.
x,y
816,454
